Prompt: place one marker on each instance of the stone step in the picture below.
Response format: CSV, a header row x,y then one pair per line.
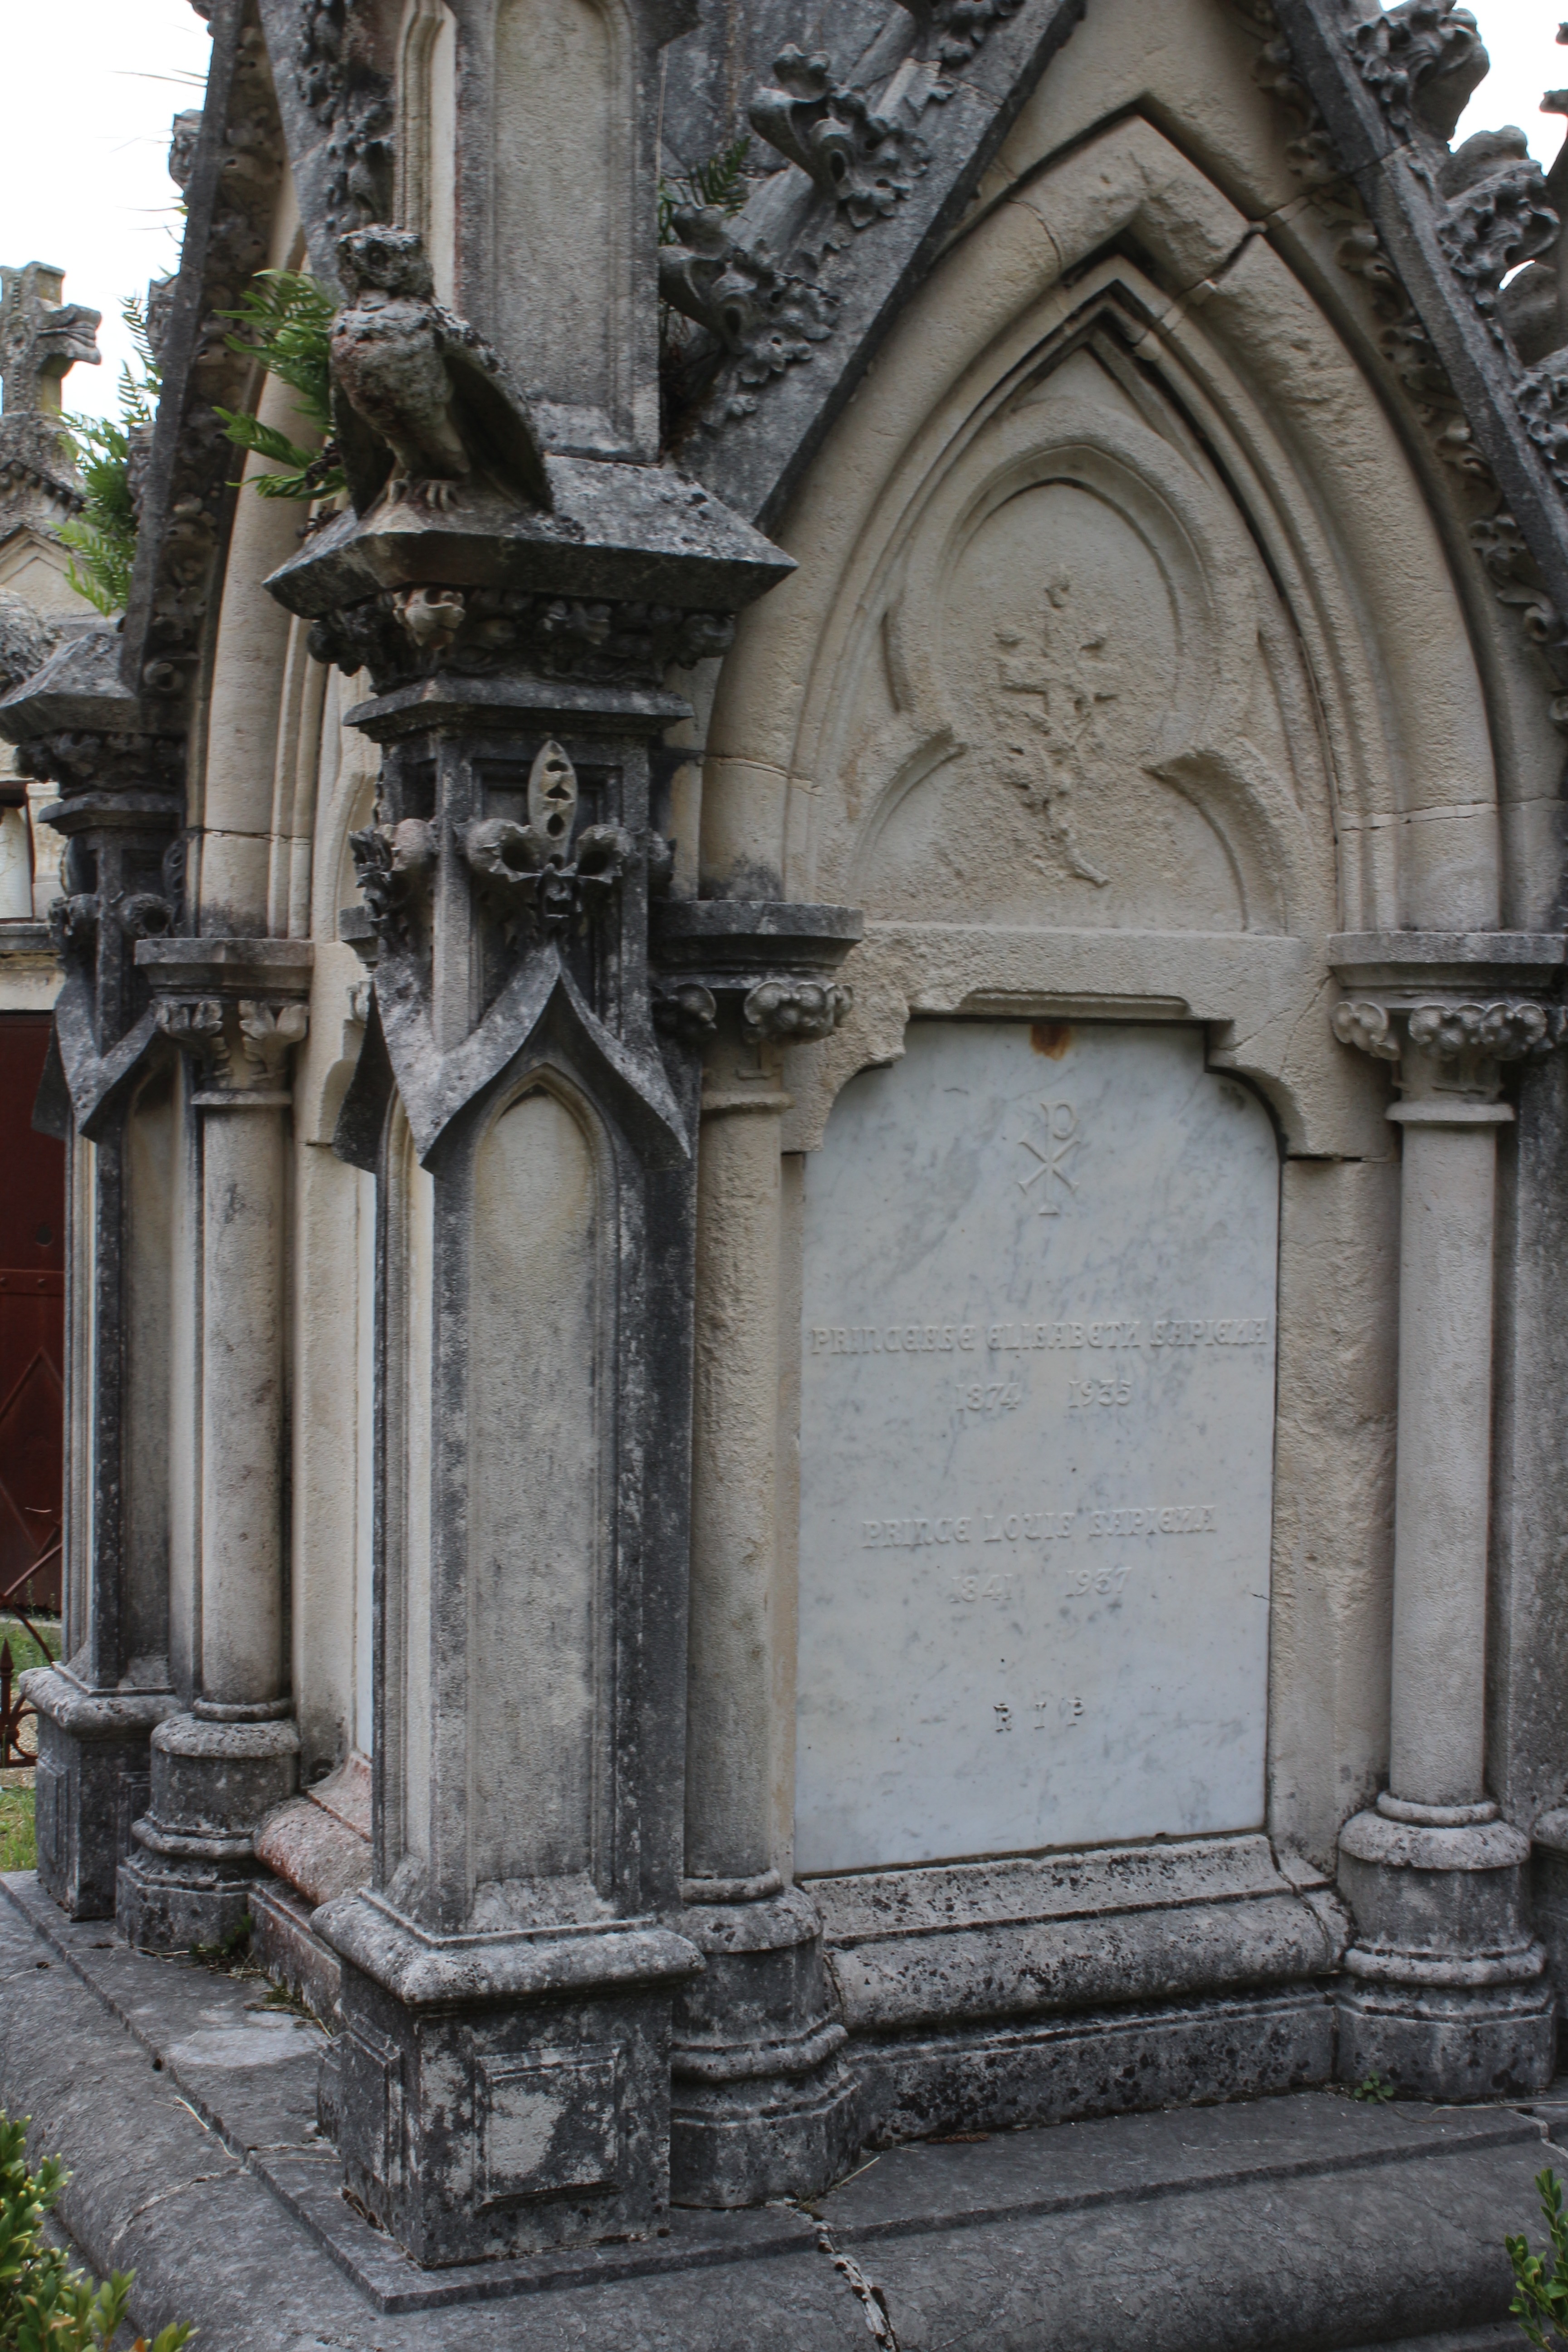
x,y
1307,2222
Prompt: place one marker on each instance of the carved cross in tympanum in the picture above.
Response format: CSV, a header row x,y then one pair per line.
x,y
1048,705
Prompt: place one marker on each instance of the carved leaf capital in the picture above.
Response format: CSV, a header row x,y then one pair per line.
x,y
792,1011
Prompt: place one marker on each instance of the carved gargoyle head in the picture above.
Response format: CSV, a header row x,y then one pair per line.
x,y
382,260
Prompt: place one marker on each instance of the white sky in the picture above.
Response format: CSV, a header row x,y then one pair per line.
x,y
93,86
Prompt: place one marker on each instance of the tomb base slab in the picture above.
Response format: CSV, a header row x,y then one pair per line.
x,y
1060,2070
193,1871
503,2094
91,1783
1445,1992
762,2103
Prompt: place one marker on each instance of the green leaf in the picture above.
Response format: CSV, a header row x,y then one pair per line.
x,y
719,181
44,2306
287,317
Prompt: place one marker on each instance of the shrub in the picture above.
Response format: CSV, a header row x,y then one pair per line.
x,y
44,2306
1541,2296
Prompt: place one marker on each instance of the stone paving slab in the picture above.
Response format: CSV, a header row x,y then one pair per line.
x,y
1305,2224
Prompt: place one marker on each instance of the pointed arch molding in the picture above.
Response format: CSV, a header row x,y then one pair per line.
x,y
1315,753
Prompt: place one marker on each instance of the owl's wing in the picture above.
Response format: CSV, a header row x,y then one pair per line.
x,y
492,415
367,460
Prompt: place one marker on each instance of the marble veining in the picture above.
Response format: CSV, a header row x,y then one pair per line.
x,y
1037,1404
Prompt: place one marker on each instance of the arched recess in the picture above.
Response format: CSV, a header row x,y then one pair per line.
x,y
427,136
540,1515
1112,356
496,1676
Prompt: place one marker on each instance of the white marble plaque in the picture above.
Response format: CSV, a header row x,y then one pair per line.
x,y
1037,1436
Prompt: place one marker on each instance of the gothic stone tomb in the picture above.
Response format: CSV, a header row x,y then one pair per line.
x,y
816,1236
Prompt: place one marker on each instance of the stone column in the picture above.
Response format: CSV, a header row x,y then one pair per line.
x,y
1445,1994
235,1007
762,2105
121,801
502,2081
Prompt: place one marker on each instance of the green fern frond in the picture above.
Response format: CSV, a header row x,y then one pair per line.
x,y
720,180
287,317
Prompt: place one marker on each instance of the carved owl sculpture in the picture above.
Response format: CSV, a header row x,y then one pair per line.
x,y
418,397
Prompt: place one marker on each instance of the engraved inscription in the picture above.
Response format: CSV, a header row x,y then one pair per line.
x,y
944,1338
1035,1450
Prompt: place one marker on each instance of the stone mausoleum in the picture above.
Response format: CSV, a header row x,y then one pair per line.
x,y
816,1305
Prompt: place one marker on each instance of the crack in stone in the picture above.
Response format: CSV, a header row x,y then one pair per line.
x,y
229,2172
872,2300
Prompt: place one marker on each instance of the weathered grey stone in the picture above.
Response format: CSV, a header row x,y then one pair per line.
x,y
188,1877
91,1783
1299,2224
762,2103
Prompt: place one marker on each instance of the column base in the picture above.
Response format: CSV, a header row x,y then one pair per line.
x,y
502,2093
90,1784
763,2103
189,1877
1549,1876
1444,1992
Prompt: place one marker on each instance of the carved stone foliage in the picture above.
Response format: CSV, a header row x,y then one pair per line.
x,y
517,869
1462,1040
1544,404
75,920
79,760
766,284
685,1010
861,159
353,104
477,632
242,1045
1517,582
393,866
960,26
792,1011
1423,60
764,318
1497,221
184,508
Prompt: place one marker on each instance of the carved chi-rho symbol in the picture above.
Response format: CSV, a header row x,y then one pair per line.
x,y
1062,1139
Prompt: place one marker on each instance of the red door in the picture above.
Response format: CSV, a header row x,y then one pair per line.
x,y
32,1323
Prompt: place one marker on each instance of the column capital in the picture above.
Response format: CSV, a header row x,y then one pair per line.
x,y
238,1008
1448,1050
769,964
1448,1008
